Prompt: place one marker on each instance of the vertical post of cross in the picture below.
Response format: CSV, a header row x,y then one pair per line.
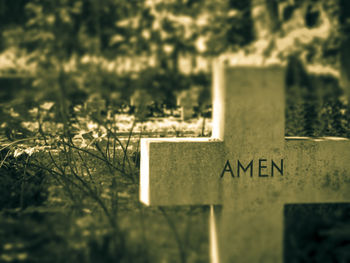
x,y
248,107
248,116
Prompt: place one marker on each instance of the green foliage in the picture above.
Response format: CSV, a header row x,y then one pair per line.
x,y
21,185
314,104
231,26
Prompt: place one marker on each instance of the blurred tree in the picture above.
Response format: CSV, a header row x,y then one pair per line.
x,y
57,34
81,39
344,19
12,14
229,26
266,17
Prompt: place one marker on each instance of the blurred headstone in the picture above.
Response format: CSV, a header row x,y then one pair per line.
x,y
247,166
94,105
187,100
140,100
186,104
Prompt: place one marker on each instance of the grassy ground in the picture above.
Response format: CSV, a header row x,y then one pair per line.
x,y
70,194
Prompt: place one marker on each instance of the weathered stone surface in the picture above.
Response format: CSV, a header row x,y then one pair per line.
x,y
180,171
316,171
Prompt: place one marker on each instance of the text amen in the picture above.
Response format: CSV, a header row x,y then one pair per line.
x,y
262,171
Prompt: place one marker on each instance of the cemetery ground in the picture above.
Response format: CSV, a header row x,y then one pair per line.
x,y
69,193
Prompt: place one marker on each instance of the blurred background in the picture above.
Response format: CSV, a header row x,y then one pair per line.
x,y
82,81
159,53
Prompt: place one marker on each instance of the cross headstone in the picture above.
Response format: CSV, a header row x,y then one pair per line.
x,y
187,99
247,166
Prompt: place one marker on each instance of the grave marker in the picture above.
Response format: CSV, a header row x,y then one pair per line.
x,y
187,100
248,166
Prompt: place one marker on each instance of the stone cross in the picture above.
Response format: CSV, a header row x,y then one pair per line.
x,y
187,99
247,166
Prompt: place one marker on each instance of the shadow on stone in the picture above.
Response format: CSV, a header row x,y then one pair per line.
x,y
317,232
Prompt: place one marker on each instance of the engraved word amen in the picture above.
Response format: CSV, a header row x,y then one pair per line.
x,y
262,170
